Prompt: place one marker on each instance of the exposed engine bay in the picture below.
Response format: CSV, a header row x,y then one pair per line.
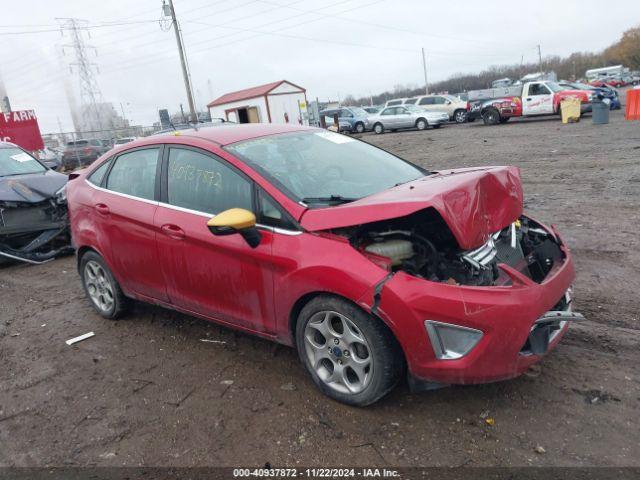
x,y
423,246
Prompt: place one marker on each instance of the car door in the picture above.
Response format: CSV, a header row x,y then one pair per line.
x,y
538,100
220,277
387,117
404,118
123,206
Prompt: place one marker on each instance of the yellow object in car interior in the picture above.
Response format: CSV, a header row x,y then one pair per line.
x,y
236,218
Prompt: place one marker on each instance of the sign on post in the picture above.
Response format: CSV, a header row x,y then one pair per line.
x,y
21,127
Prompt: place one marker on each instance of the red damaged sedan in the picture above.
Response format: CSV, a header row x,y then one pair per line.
x,y
370,266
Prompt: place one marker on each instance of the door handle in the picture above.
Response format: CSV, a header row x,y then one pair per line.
x,y
173,231
102,209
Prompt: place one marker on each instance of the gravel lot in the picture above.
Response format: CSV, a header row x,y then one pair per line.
x,y
147,391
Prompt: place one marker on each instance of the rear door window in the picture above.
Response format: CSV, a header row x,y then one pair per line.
x,y
134,173
201,182
98,175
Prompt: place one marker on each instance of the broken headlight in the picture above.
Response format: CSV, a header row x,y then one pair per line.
x,y
61,195
451,342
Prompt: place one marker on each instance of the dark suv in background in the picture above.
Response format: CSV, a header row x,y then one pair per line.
x,y
82,152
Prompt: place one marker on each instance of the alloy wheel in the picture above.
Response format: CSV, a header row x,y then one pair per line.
x,y
99,286
338,352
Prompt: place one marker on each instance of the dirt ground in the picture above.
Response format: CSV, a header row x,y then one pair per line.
x,y
147,391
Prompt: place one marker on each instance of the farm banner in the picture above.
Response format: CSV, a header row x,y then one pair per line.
x,y
21,127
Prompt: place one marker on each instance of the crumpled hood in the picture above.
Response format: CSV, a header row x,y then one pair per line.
x,y
474,202
31,188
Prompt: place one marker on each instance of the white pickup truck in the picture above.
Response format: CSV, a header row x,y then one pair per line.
x,y
498,105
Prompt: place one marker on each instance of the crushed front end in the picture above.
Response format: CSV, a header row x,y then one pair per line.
x,y
473,316
34,232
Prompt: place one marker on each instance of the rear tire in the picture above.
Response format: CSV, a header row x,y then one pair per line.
x,y
378,128
101,287
351,356
491,116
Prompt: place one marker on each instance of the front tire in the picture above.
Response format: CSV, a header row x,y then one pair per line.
x,y
101,287
421,124
460,116
351,356
378,128
359,127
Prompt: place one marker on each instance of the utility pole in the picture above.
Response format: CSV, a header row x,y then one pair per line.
x,y
540,59
5,105
183,62
424,67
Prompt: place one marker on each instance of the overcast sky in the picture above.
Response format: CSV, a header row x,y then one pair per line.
x,y
331,47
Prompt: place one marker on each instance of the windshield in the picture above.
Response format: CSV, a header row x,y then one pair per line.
x,y
358,112
555,87
78,143
324,167
14,161
413,108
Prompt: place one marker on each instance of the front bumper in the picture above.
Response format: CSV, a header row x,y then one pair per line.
x,y
504,314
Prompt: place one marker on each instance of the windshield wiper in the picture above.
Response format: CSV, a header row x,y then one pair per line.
x,y
329,199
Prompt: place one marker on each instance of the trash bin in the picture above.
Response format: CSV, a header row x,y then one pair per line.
x,y
600,111
570,109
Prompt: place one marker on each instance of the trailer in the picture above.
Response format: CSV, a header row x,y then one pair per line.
x,y
596,73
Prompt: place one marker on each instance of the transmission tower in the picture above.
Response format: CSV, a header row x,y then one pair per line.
x,y
90,95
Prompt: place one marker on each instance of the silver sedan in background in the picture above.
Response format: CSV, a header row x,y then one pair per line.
x,y
406,116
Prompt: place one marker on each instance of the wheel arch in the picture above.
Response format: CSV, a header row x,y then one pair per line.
x,y
306,298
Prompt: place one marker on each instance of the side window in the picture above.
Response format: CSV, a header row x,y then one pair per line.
x,y
400,110
538,89
98,174
134,173
427,101
439,100
346,113
200,182
270,213
388,111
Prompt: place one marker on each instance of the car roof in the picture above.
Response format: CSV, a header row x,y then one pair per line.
x,y
225,135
